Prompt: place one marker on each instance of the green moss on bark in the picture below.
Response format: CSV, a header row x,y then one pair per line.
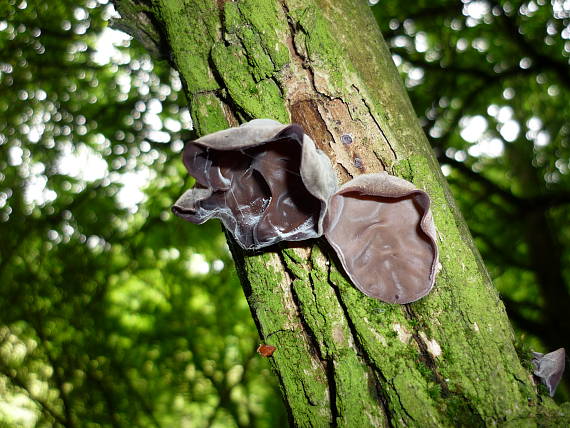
x,y
207,112
355,404
464,312
190,49
261,27
323,52
302,375
257,99
386,337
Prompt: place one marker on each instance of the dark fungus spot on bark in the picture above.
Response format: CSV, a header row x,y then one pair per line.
x,y
265,181
383,233
549,368
346,139
358,163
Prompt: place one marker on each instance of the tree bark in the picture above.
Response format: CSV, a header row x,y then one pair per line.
x,y
342,358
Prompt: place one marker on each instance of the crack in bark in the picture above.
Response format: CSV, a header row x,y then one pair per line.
x,y
224,97
301,59
309,334
363,99
330,372
215,92
400,401
326,362
281,330
425,356
329,360
344,169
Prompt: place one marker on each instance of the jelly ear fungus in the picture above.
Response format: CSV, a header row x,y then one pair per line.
x,y
382,230
265,181
549,368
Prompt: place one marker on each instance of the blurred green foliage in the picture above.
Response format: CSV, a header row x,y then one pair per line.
x,y
114,313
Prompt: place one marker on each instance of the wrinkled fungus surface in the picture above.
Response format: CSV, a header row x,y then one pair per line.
x,y
267,182
381,229
250,178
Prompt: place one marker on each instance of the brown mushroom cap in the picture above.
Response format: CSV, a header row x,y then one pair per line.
x,y
383,233
258,180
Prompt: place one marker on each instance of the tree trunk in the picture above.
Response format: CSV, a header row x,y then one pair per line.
x,y
344,359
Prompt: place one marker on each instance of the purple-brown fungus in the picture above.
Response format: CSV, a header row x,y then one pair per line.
x,y
265,181
382,230
550,368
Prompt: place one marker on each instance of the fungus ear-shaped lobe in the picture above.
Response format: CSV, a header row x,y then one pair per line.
x,y
382,231
250,178
550,368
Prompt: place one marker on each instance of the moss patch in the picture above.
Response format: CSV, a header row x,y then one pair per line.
x,y
207,113
261,28
191,49
261,99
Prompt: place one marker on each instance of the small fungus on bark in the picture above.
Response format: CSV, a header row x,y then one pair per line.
x,y
346,139
549,368
358,163
267,182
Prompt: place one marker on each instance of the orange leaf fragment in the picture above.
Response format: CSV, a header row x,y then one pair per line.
x,y
266,350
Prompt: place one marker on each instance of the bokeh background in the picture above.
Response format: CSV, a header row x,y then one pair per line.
x,y
115,313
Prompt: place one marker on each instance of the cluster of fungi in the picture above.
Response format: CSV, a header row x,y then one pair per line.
x,y
267,182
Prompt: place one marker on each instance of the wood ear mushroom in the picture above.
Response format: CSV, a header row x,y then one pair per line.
x,y
549,368
382,230
267,182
